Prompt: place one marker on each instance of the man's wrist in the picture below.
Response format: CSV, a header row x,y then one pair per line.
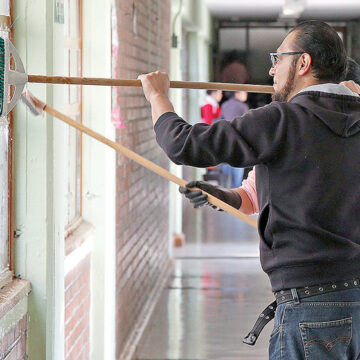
x,y
158,98
160,104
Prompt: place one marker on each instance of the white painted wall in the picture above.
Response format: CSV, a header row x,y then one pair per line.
x,y
99,177
39,187
194,18
40,179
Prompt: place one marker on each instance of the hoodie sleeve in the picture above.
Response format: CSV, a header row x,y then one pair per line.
x,y
253,138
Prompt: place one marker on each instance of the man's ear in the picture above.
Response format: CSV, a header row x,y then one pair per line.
x,y
304,64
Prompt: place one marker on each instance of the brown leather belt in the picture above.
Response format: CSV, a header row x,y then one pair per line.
x,y
284,296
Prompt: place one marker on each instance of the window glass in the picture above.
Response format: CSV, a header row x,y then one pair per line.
x,y
73,98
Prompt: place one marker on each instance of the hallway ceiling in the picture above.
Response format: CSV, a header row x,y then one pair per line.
x,y
271,10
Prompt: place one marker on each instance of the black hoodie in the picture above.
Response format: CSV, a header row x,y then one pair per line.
x,y
306,153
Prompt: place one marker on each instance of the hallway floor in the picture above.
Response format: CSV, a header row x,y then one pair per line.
x,y
214,297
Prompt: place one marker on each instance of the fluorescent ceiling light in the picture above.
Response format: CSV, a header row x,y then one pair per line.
x,y
292,8
289,12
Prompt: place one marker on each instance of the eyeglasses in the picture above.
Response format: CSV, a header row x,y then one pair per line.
x,y
274,57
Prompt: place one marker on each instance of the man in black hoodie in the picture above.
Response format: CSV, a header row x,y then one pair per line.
x,y
305,147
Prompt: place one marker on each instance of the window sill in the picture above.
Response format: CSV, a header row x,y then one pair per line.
x,y
6,277
12,293
79,234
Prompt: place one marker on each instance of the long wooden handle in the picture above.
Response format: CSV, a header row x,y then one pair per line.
x,y
148,164
173,84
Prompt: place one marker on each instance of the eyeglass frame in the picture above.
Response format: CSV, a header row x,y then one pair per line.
x,y
273,55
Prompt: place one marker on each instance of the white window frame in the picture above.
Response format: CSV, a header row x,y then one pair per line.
x,y
7,188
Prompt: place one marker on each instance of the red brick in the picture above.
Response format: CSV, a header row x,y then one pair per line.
x,y
78,334
77,307
74,274
141,214
6,342
81,341
76,287
17,349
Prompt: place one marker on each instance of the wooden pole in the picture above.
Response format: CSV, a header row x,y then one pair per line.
x,y
148,164
137,83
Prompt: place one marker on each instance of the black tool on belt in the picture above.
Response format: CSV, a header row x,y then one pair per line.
x,y
284,296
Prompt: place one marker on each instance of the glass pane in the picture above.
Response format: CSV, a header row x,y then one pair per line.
x,y
72,175
4,195
75,69
73,98
67,88
66,18
74,19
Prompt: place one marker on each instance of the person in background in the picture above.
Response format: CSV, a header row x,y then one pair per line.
x,y
231,108
211,109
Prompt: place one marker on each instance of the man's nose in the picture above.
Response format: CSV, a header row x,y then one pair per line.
x,y
272,71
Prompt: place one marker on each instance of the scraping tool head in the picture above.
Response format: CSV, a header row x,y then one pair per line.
x,y
16,77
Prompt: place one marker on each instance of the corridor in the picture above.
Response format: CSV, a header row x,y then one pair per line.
x,y
214,296
89,194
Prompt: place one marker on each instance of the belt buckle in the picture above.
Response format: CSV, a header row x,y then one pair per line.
x,y
250,339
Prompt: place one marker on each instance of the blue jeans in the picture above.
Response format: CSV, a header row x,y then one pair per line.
x,y
236,175
325,326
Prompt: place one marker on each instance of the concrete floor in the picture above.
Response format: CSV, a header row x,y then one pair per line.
x,y
214,296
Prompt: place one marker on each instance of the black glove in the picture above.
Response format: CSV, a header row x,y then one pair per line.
x,y
197,198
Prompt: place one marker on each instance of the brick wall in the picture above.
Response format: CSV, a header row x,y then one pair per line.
x,y
142,197
77,305
13,343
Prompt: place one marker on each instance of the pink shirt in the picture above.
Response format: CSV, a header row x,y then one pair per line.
x,y
249,186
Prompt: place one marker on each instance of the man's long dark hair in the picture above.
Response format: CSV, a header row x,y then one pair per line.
x,y
327,51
